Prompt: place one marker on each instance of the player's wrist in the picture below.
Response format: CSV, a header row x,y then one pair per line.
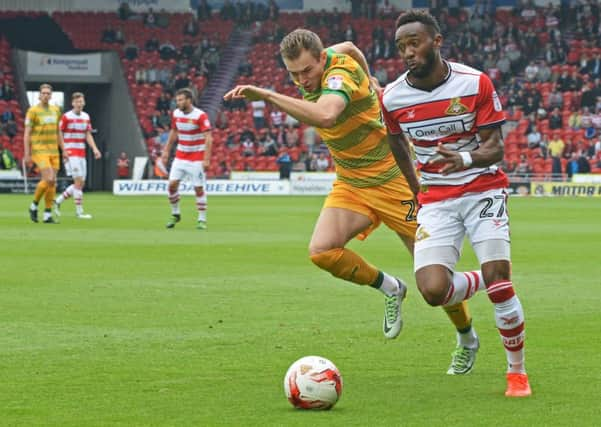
x,y
466,157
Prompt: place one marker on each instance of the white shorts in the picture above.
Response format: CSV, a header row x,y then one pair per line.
x,y
181,169
442,226
76,167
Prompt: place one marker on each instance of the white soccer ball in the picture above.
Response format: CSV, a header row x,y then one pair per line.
x,y
313,382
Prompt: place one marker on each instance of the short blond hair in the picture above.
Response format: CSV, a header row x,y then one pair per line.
x,y
298,40
45,86
76,95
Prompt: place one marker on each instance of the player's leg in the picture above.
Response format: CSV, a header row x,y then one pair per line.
x,y
79,183
333,230
487,224
43,163
198,181
175,176
49,175
68,193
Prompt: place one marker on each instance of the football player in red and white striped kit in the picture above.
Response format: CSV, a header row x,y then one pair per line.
x,y
76,130
192,129
453,116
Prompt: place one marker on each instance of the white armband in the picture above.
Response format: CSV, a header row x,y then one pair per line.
x,y
467,158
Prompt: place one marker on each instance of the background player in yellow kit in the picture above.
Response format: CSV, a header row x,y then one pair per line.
x,y
369,188
42,141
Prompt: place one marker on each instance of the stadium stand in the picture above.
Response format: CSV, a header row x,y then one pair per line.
x,y
554,64
11,116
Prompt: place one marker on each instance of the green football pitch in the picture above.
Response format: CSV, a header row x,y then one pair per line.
x,y
118,321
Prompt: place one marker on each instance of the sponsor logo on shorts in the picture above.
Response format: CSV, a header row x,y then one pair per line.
x,y
421,234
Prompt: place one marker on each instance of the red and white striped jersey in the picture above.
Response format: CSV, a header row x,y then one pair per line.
x,y
451,114
191,129
74,128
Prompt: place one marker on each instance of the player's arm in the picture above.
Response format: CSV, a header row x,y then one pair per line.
x,y
322,113
349,48
167,150
92,144
490,152
402,154
27,143
208,145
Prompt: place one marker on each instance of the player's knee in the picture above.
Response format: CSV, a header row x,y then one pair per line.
x,y
432,292
324,258
496,271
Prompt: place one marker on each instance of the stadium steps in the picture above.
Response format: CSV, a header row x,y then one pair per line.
x,y
231,58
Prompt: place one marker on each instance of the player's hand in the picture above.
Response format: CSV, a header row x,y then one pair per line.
x,y
206,163
27,159
65,156
451,160
375,85
164,159
97,154
250,92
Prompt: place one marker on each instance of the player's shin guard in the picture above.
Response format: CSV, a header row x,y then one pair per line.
x,y
78,200
509,317
49,196
174,201
346,264
201,207
40,190
65,194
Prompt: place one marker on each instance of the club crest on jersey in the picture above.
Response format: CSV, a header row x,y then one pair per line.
x,y
456,107
335,82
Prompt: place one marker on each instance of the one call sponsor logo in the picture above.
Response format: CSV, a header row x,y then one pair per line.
x,y
437,130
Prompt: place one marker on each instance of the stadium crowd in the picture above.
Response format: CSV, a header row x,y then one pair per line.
x,y
545,63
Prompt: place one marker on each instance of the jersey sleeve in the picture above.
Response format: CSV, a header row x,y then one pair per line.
x,y
204,124
488,105
64,122
30,118
340,81
173,120
389,121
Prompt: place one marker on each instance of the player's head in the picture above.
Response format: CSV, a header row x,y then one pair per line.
x,y
418,40
78,101
304,57
45,93
184,98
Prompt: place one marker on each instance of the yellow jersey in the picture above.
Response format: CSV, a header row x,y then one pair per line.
x,y
358,140
44,128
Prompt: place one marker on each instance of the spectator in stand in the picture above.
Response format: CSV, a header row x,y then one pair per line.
x,y
108,35
123,166
381,74
593,66
555,119
7,115
167,51
245,69
544,147
531,71
556,147
163,102
290,137
187,50
386,10
572,165
152,75
119,38
124,11
150,19
350,34
504,65
152,44
204,12
11,129
131,50
322,163
576,82
285,162
531,106
258,113
523,169
7,160
181,81
228,11
248,148
589,96
575,119
555,98
544,72
277,118
534,138
191,28
222,120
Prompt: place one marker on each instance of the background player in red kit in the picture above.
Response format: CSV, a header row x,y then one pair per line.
x,y
453,116
76,129
191,127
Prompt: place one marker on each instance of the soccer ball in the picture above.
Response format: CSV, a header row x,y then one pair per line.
x,y
313,382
